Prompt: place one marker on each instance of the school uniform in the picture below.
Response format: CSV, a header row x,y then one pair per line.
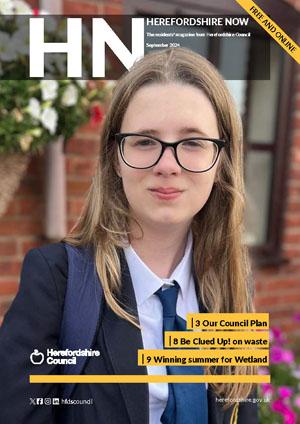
x,y
34,322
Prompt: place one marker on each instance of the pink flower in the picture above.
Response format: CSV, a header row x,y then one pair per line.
x,y
279,355
278,406
297,316
267,388
263,371
276,354
297,401
289,417
277,335
288,356
285,392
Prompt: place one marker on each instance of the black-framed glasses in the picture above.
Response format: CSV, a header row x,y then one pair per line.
x,y
194,154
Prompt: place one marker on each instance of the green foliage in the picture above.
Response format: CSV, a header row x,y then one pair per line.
x,y
21,130
34,112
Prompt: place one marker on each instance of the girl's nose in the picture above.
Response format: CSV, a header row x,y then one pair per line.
x,y
167,164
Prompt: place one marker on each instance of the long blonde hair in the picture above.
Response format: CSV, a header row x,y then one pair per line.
x,y
220,258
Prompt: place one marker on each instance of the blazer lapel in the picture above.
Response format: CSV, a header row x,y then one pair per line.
x,y
123,340
81,309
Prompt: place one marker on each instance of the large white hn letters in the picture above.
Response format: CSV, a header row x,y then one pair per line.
x,y
102,34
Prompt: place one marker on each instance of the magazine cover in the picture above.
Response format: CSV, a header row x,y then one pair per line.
x,y
149,212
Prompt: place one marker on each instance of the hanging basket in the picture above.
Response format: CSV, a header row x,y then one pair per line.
x,y
12,169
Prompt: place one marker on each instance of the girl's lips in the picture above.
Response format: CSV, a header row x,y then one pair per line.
x,y
166,193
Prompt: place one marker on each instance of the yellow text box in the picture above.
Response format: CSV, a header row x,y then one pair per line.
x,y
81,379
228,321
195,357
274,30
210,339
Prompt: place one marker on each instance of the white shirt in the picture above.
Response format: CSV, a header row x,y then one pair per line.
x,y
145,284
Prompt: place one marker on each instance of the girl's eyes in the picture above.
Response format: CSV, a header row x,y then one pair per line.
x,y
193,144
145,143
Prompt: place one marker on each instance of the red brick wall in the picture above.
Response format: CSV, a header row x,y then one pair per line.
x,y
89,7
278,289
21,228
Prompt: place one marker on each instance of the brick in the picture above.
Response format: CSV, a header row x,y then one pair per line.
x,y
35,166
8,248
9,287
74,207
273,300
265,301
12,208
20,227
90,128
5,303
30,206
294,199
115,9
112,2
78,188
71,223
296,138
10,268
293,182
294,174
293,206
283,284
279,315
292,238
290,253
83,147
291,270
294,191
296,154
296,123
292,221
266,273
289,327
81,166
79,8
30,244
30,186
297,103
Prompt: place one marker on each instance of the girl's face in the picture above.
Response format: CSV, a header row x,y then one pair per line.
x,y
166,194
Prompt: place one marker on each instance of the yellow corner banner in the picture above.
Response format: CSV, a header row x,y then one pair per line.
x,y
271,28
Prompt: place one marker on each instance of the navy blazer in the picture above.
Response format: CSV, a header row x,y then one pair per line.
x,y
33,322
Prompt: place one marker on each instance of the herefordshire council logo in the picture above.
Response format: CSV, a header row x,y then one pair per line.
x,y
37,357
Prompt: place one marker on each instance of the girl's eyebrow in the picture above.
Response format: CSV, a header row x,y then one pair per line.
x,y
147,132
188,130
183,131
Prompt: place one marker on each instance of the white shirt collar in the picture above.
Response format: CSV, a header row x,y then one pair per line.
x,y
146,283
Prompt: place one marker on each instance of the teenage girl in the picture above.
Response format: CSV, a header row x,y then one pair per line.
x,y
163,221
